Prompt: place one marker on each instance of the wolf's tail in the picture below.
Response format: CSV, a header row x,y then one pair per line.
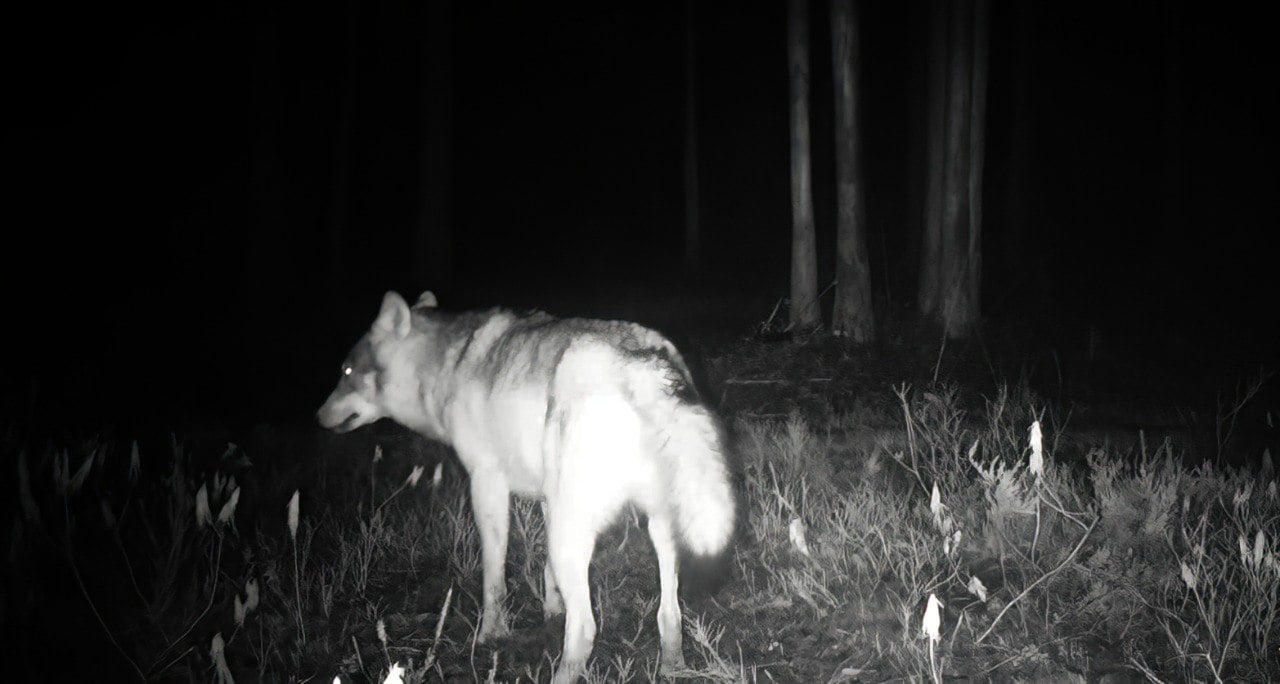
x,y
702,488
692,453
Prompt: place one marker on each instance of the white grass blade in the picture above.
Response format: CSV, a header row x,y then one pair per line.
x,y
293,515
797,533
395,676
977,588
931,625
1036,464
217,650
203,515
250,596
229,508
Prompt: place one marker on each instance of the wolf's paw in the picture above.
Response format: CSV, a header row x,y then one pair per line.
x,y
493,628
553,607
568,673
672,663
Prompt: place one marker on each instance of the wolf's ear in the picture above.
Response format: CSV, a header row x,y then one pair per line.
x,y
426,300
394,316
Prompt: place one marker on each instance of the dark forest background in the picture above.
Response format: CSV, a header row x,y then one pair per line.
x,y
203,203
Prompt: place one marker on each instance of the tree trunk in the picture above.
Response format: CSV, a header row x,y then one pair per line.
x,y
852,315
692,229
804,273
977,159
935,158
950,284
955,303
433,241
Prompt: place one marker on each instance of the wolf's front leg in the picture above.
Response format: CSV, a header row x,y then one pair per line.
x,y
491,502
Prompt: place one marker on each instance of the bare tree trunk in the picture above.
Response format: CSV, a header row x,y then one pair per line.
x,y
804,259
950,283
955,216
977,159
692,229
433,241
852,315
935,158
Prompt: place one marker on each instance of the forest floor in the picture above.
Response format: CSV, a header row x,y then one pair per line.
x,y
1077,514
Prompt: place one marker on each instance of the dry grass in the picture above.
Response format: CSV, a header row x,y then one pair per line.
x,y
857,521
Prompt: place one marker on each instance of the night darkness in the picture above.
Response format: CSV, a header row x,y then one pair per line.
x,y
203,206
204,203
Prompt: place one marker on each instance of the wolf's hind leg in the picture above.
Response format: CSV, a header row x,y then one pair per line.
x,y
552,603
491,503
669,628
570,543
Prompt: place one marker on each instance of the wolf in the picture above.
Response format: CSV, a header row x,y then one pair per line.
x,y
587,416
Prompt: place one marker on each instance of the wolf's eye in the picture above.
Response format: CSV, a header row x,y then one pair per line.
x,y
347,369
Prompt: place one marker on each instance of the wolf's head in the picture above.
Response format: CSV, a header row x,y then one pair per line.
x,y
378,378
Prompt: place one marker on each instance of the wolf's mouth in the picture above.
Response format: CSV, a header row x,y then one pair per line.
x,y
347,423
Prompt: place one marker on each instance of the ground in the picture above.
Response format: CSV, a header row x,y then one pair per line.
x,y
1124,556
